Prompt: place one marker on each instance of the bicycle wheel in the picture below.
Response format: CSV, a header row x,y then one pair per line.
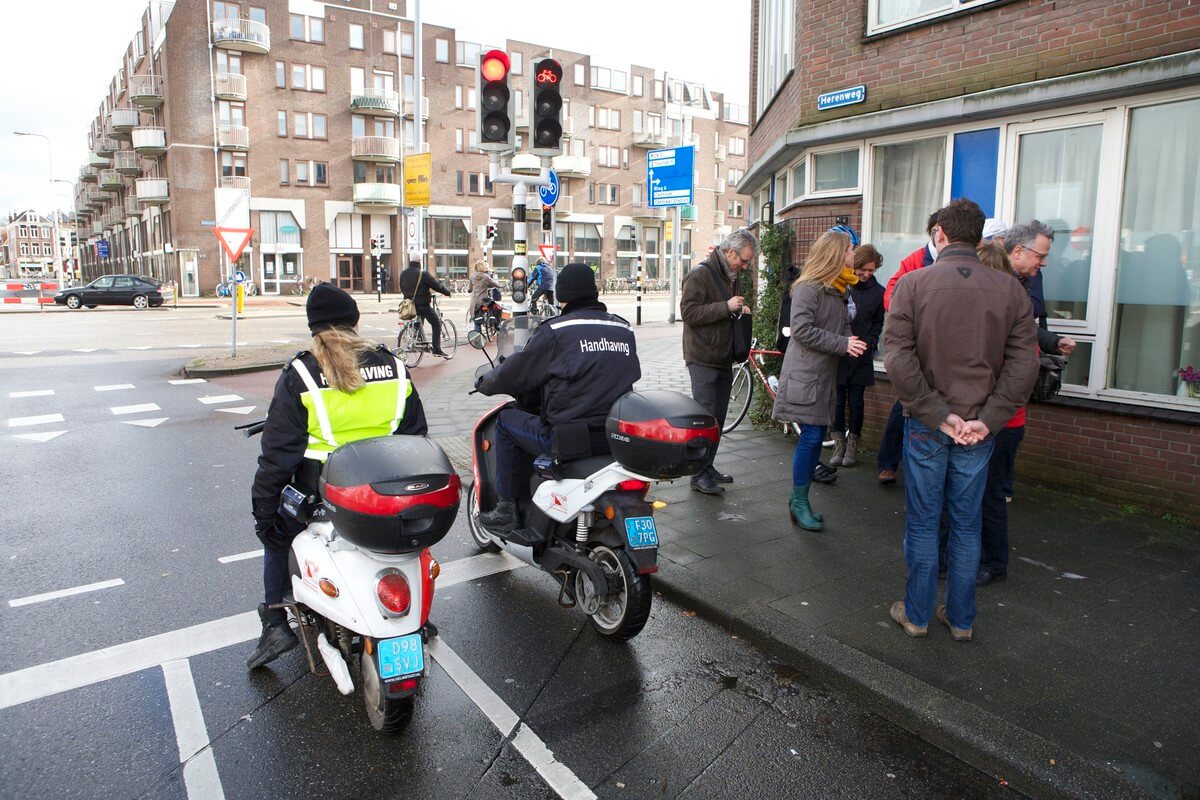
x,y
739,398
449,339
408,348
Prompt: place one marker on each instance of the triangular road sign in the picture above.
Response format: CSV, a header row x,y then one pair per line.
x,y
44,436
233,240
146,423
549,251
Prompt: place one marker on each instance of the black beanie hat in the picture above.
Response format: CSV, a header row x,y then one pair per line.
x,y
331,307
576,282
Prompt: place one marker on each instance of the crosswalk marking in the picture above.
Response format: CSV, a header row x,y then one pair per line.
x,y
146,423
135,409
42,437
238,410
141,347
41,598
241,557
31,393
113,387
200,776
186,381
42,419
219,398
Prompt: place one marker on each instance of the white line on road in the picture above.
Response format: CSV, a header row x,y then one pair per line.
x,y
41,598
138,409
241,557
219,398
96,666
140,347
146,423
27,352
237,409
187,381
562,780
281,341
44,419
86,349
33,393
200,776
43,436
113,387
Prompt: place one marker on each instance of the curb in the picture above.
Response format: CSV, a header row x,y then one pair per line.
x,y
987,742
218,372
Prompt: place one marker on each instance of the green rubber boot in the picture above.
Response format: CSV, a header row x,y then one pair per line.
x,y
801,512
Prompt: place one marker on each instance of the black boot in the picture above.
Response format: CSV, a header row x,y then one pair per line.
x,y
501,519
276,639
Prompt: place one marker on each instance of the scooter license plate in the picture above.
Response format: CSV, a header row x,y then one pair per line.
x,y
400,657
641,532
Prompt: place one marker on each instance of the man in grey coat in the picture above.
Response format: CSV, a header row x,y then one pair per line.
x,y
710,300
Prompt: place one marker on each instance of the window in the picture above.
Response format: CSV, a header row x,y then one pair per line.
x,y
230,62
466,54
280,75
450,233
608,156
586,237
297,26
907,184
639,87
24,249
258,15
302,172
442,51
283,170
611,79
624,158
835,171
356,36
737,112
299,77
658,90
886,14
300,125
389,42
231,113
735,176
517,61
358,126
406,44
736,209
318,79
608,118
775,42
799,186
580,75
316,30
608,194
458,142
283,126
233,164
318,126
320,173
737,146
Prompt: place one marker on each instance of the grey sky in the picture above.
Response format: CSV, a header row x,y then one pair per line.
x,y
57,57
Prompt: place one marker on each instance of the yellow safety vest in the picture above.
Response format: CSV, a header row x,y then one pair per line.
x,y
336,418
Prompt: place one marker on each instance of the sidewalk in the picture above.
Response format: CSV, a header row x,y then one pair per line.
x,y
1082,680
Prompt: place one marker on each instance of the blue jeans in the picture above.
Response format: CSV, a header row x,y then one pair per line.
x,y
891,446
808,452
939,474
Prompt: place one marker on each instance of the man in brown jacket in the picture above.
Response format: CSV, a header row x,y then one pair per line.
x,y
711,297
961,351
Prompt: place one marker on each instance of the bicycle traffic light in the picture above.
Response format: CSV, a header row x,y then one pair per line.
x,y
545,107
491,232
494,111
520,284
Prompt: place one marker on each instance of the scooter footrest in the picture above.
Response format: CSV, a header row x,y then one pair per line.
x,y
525,537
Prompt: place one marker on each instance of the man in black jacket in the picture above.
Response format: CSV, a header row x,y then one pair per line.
x,y
418,285
580,361
1028,246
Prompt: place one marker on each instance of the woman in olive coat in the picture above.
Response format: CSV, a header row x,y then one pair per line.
x,y
820,337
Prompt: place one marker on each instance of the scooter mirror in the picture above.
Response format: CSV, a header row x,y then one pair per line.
x,y
476,340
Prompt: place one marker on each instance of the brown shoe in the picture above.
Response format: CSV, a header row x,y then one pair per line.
x,y
958,634
902,620
887,476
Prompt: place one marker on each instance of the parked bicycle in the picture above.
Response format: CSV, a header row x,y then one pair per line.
x,y
745,375
304,286
225,288
411,344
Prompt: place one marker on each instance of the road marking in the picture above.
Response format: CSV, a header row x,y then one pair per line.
x,y
42,437
219,398
137,409
241,556
560,778
33,393
44,419
200,776
146,423
95,666
113,387
187,381
86,349
27,352
238,410
41,598
188,346
281,341
140,347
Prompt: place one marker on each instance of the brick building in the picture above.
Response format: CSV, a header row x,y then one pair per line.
x,y
292,117
1084,114
27,244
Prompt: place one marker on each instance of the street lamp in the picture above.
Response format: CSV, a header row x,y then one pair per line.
x,y
54,216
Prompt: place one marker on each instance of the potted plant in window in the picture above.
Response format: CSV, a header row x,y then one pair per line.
x,y
1191,379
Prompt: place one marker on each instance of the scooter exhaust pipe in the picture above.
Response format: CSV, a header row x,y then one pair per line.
x,y
336,665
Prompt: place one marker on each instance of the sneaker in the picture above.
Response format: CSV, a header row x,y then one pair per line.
x,y
902,620
986,576
824,474
439,353
501,519
958,634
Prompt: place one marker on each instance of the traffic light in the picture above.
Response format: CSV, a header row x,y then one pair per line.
x,y
545,107
520,284
547,218
494,113
491,232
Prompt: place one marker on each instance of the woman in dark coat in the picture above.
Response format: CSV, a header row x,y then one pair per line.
x,y
856,373
820,335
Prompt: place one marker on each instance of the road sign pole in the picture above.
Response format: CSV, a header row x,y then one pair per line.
x,y
676,271
640,272
233,303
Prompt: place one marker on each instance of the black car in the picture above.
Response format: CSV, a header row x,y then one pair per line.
x,y
120,290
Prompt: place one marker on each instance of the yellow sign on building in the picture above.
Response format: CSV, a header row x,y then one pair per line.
x,y
669,233
418,173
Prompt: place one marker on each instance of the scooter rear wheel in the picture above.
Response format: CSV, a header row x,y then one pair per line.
x,y
387,715
481,539
623,615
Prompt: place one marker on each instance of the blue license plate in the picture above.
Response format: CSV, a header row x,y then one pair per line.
x,y
641,532
400,657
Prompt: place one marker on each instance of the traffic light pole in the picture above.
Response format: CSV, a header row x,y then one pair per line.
x,y
521,185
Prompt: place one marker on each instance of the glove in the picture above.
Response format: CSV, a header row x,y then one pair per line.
x,y
272,533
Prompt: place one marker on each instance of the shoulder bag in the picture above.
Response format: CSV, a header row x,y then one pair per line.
x,y
408,306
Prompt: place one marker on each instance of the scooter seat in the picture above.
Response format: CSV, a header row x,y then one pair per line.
x,y
584,467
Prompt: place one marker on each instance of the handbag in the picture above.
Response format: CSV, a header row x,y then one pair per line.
x,y
1049,378
408,308
742,324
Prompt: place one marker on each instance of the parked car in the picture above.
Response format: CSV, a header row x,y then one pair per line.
x,y
121,290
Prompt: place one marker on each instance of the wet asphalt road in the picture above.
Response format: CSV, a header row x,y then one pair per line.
x,y
685,710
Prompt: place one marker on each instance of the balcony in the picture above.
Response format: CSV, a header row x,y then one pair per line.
x,y
122,121
234,182
719,219
687,214
97,161
145,91
644,213
106,146
650,140
720,153
375,148
132,207
152,191
565,205
408,108
127,162
149,141
97,228
89,174
233,137
572,166
230,86
92,197
110,180
377,195
378,102
112,218
244,35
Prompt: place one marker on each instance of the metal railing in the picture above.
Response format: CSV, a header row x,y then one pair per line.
x,y
106,145
573,166
123,119
720,153
233,137
145,90
132,207
110,180
381,148
89,174
149,140
230,86
234,182
128,162
377,194
241,34
370,99
153,190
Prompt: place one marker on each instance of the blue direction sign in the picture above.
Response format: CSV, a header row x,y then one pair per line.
x,y
549,194
102,249
842,97
670,174
239,277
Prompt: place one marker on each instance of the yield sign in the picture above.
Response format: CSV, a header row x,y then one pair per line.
x,y
549,251
233,240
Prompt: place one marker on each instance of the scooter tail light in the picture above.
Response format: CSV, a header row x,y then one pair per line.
x,y
393,593
632,486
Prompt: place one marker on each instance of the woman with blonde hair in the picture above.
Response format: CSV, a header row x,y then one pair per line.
x,y
820,336
344,388
482,284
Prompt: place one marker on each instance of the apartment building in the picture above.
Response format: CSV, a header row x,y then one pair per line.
x,y
1085,115
292,117
27,244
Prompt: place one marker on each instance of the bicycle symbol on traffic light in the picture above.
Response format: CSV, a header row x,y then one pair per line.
x,y
547,76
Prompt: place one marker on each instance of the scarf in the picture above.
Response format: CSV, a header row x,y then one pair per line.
x,y
845,280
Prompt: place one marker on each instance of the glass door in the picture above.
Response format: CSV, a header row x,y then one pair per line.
x,y
270,274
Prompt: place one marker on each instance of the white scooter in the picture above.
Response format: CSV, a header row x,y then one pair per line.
x,y
362,572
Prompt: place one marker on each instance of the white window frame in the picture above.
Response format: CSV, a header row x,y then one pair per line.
x,y
950,7
580,75
440,46
776,21
841,147
362,35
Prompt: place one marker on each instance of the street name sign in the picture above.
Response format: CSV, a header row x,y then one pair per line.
x,y
842,97
670,174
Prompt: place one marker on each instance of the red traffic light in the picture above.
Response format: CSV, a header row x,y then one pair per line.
x,y
494,65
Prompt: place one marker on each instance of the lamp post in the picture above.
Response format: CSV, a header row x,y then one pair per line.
x,y
54,217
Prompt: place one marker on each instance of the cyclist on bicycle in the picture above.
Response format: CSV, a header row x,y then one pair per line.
x,y
543,278
418,285
482,283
